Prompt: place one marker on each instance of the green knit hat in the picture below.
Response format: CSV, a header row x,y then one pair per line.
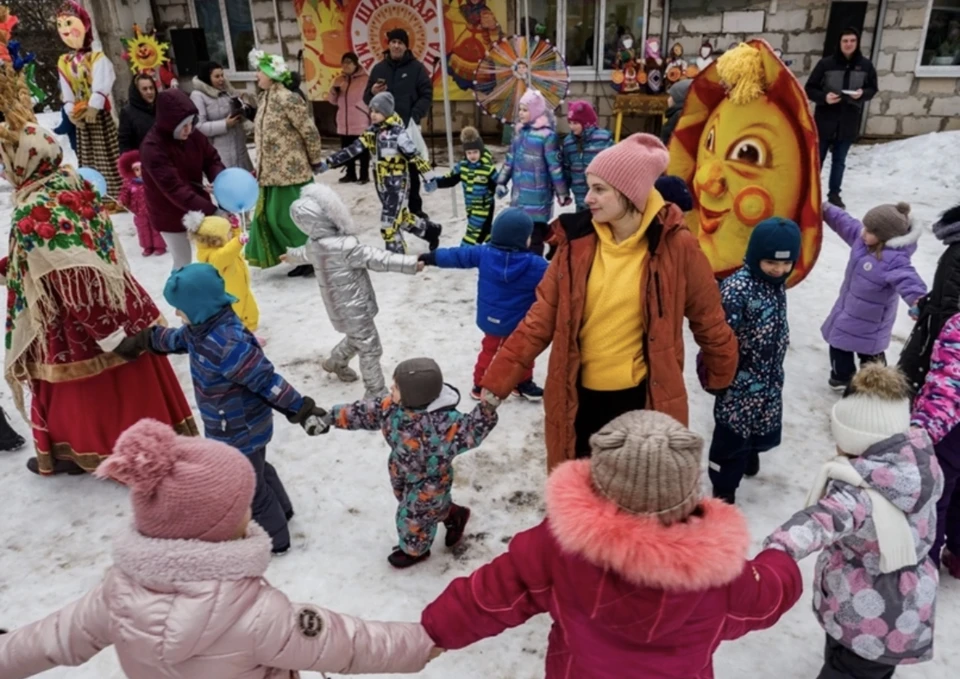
x,y
271,64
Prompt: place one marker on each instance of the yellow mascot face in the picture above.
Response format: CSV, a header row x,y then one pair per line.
x,y
745,160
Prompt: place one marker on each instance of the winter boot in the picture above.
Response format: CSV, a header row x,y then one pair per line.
x,y
476,392
59,467
952,563
730,498
529,390
456,523
834,199
395,246
9,438
753,464
433,235
344,373
299,271
400,559
837,385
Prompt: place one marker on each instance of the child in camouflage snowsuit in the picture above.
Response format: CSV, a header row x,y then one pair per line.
x,y
393,152
478,175
426,432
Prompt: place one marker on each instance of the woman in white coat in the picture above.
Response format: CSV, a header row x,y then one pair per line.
x,y
222,116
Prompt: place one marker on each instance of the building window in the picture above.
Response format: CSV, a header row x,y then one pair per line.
x,y
542,19
228,25
623,16
940,55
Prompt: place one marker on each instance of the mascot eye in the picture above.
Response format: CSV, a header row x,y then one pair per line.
x,y
749,150
711,140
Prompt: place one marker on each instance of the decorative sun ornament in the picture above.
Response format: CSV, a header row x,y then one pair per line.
x,y
145,52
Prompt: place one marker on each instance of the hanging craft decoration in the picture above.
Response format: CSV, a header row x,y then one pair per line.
x,y
509,67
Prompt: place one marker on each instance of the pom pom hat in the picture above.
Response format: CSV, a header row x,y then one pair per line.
x,y
471,140
875,407
181,488
632,166
887,222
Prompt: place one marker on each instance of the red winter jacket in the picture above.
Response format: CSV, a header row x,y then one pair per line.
x,y
629,597
173,170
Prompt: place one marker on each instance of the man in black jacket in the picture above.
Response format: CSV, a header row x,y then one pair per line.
x,y
840,85
400,74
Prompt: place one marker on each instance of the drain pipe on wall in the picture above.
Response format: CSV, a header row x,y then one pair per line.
x,y
874,55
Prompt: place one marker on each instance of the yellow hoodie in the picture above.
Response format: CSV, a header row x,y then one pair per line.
x,y
228,260
611,334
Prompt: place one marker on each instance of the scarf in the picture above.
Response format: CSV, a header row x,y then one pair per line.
x,y
894,536
946,233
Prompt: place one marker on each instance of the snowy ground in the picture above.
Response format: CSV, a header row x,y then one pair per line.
x,y
56,532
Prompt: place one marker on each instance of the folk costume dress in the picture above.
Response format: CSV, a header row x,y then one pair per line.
x,y
86,79
70,299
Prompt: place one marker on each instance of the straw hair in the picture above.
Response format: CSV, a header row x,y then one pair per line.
x,y
15,103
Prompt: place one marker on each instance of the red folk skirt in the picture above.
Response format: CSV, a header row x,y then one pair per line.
x,y
81,420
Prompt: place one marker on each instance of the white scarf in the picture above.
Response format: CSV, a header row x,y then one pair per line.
x,y
894,536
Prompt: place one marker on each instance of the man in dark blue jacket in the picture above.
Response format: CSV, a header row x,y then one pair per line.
x,y
840,85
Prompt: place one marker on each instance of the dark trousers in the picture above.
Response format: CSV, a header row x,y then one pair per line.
x,y
415,202
729,455
364,158
597,408
839,160
842,663
271,504
843,366
540,232
948,506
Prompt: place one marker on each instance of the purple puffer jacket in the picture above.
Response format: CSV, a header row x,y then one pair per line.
x,y
862,318
884,617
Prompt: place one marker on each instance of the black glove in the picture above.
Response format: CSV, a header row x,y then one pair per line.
x,y
551,251
131,348
428,258
716,392
311,417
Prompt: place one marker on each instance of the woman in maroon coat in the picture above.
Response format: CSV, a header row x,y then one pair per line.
x,y
175,157
641,576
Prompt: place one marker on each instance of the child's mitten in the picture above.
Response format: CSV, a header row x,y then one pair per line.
x,y
130,348
430,185
311,417
320,168
501,191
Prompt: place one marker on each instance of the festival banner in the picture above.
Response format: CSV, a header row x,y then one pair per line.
x,y
332,27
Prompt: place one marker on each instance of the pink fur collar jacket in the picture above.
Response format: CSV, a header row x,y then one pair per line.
x,y
629,597
202,610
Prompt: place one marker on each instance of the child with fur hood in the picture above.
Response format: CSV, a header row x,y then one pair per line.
x,y
580,147
879,270
534,165
187,596
425,431
642,576
342,267
871,514
220,244
133,197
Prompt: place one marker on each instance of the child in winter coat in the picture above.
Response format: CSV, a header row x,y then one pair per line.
x,y
425,431
342,266
749,413
580,147
478,174
133,198
506,288
220,244
674,190
642,577
235,385
870,511
393,152
187,596
937,410
879,269
534,164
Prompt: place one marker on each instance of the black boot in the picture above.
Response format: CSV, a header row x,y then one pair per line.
x,y
302,270
730,497
753,464
400,559
834,199
9,438
433,235
456,523
59,467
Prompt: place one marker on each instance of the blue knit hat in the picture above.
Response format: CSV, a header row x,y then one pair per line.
x,y
775,238
674,190
198,291
511,229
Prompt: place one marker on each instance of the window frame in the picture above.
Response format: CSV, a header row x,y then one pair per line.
x,y
597,73
230,69
928,71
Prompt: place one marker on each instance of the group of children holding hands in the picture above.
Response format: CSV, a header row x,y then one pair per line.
x,y
612,561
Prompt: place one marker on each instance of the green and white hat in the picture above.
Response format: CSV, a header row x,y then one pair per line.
x,y
271,64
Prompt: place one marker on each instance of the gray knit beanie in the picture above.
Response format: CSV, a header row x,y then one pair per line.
x,y
383,104
646,462
888,221
420,382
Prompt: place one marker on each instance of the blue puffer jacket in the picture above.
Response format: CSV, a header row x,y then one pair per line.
x,y
235,385
578,152
507,286
757,311
533,163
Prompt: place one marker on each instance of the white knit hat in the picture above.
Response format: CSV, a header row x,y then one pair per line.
x,y
875,407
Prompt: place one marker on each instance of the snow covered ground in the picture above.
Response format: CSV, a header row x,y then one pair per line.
x,y
56,532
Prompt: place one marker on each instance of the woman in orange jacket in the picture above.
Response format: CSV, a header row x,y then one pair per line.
x,y
612,303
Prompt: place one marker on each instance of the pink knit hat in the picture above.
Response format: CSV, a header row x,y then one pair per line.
x,y
581,112
632,166
182,488
534,102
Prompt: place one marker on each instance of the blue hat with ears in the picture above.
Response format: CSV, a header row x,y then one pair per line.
x,y
775,238
198,291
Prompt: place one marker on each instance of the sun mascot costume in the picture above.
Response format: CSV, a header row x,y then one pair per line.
x,y
746,145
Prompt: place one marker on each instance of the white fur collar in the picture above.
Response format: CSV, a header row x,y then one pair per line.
x,y
159,563
906,240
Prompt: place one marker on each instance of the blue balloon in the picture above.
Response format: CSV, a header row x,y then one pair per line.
x,y
236,190
95,178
